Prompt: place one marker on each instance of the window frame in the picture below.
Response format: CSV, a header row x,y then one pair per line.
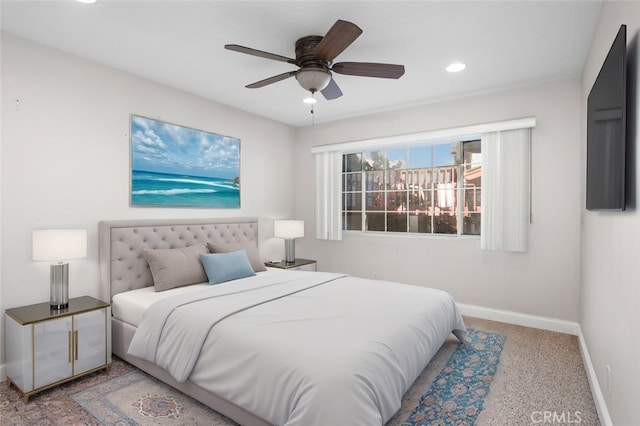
x,y
389,177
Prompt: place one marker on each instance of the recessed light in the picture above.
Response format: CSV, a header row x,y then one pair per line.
x,y
456,67
86,1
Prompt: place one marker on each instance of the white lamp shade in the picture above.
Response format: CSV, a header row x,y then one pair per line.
x,y
288,228
59,244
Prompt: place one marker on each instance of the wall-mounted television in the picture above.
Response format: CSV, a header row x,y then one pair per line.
x,y
606,135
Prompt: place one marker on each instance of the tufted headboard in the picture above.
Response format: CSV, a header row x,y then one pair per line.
x,y
122,265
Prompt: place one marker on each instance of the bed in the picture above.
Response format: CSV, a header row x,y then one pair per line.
x,y
275,347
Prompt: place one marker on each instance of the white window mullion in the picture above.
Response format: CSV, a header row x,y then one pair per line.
x,y
363,198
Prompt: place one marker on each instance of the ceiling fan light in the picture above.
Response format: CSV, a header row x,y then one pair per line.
x,y
310,100
313,79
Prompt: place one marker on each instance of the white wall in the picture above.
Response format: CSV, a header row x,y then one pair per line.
x,y
610,271
543,281
65,159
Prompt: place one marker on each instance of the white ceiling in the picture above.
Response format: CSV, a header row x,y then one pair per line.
x,y
505,44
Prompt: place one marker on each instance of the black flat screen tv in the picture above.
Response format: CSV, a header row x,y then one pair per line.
x,y
606,135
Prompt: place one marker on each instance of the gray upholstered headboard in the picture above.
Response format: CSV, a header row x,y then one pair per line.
x,y
122,265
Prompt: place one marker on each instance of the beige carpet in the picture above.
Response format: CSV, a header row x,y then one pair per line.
x,y
540,380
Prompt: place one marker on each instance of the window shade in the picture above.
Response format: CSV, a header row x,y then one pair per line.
x,y
506,165
328,195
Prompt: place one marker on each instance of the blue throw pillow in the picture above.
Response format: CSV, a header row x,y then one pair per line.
x,y
222,267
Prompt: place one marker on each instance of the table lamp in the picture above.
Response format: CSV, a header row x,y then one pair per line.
x,y
59,245
289,230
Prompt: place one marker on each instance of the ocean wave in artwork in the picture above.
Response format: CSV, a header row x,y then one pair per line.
x,y
199,182
173,191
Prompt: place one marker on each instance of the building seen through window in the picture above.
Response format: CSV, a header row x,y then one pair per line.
x,y
430,189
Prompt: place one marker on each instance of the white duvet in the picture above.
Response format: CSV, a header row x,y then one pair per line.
x,y
301,348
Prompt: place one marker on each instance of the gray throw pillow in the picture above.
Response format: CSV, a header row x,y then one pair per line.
x,y
249,246
173,268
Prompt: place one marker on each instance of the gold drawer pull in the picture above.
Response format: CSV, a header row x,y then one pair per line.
x,y
70,345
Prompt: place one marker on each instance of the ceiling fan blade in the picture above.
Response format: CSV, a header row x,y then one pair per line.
x,y
260,53
332,91
338,38
369,69
271,80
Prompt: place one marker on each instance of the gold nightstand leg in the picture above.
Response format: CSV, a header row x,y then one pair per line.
x,y
25,397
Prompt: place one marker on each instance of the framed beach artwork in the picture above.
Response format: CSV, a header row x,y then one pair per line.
x,y
175,166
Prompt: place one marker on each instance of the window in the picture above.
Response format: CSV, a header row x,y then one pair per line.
x,y
426,189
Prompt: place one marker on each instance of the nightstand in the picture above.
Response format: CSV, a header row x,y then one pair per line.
x,y
46,348
297,265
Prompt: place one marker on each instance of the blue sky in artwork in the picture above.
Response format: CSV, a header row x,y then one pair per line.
x,y
166,148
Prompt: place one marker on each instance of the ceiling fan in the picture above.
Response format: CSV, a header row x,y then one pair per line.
x,y
314,57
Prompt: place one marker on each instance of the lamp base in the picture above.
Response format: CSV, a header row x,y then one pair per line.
x,y
59,286
290,250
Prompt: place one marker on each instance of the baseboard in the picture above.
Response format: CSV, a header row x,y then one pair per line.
x,y
526,320
598,398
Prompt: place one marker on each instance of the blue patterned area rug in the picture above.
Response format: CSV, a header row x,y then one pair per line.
x,y
457,394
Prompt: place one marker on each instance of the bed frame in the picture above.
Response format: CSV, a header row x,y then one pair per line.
x,y
123,268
